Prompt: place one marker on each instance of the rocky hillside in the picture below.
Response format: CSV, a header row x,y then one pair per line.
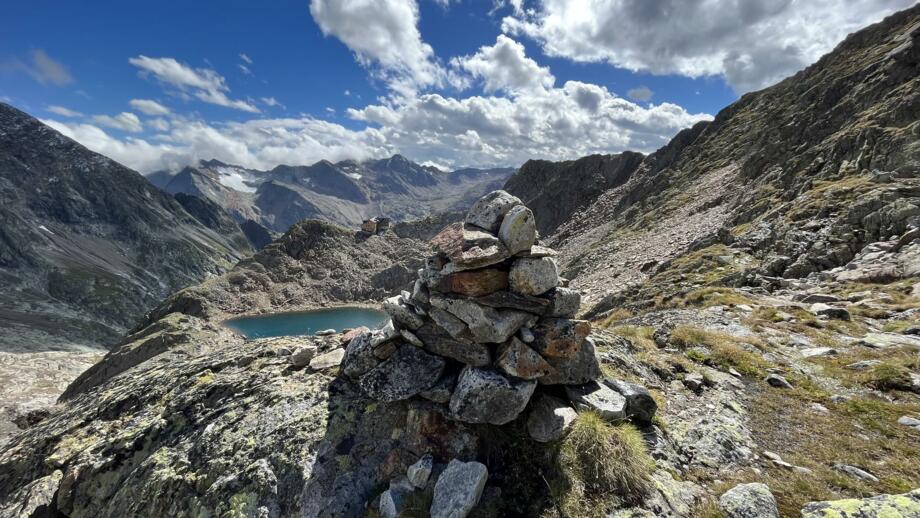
x,y
800,176
87,245
345,193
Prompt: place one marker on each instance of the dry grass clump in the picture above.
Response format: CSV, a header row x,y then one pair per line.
x,y
715,296
889,376
893,373
860,432
725,350
602,465
615,316
640,336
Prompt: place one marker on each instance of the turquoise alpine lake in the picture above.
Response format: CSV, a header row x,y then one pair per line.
x,y
305,322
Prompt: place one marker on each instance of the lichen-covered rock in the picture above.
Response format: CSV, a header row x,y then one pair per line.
x,y
302,355
442,390
520,361
484,396
564,302
409,371
549,418
881,506
533,276
579,369
749,501
560,337
489,211
458,489
518,229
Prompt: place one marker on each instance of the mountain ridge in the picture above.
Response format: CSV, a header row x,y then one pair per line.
x,y
345,192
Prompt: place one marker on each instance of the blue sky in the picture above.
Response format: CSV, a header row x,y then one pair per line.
x,y
473,82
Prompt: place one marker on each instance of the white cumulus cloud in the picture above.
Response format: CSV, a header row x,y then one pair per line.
x,y
203,83
148,107
62,111
751,43
125,121
384,37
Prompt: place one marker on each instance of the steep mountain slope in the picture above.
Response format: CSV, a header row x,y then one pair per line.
x,y
87,245
344,193
803,174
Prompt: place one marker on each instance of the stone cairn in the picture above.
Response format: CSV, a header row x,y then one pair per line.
x,y
489,328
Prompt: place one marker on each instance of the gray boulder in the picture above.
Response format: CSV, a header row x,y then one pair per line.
x,y
564,302
640,405
580,368
749,501
328,360
775,380
407,372
823,310
549,418
483,396
489,211
518,230
533,276
458,489
302,356
608,403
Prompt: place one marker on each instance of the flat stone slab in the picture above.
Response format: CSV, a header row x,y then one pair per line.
x,y
474,283
487,325
407,372
328,360
438,341
485,396
886,340
608,403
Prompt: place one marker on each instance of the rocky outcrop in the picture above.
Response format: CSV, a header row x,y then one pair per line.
x,y
799,181
880,506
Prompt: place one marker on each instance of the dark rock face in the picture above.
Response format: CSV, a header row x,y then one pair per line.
x,y
556,190
91,241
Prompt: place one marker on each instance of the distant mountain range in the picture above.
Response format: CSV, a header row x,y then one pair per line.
x,y
88,245
345,192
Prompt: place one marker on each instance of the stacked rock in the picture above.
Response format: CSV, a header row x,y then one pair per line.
x,y
488,321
